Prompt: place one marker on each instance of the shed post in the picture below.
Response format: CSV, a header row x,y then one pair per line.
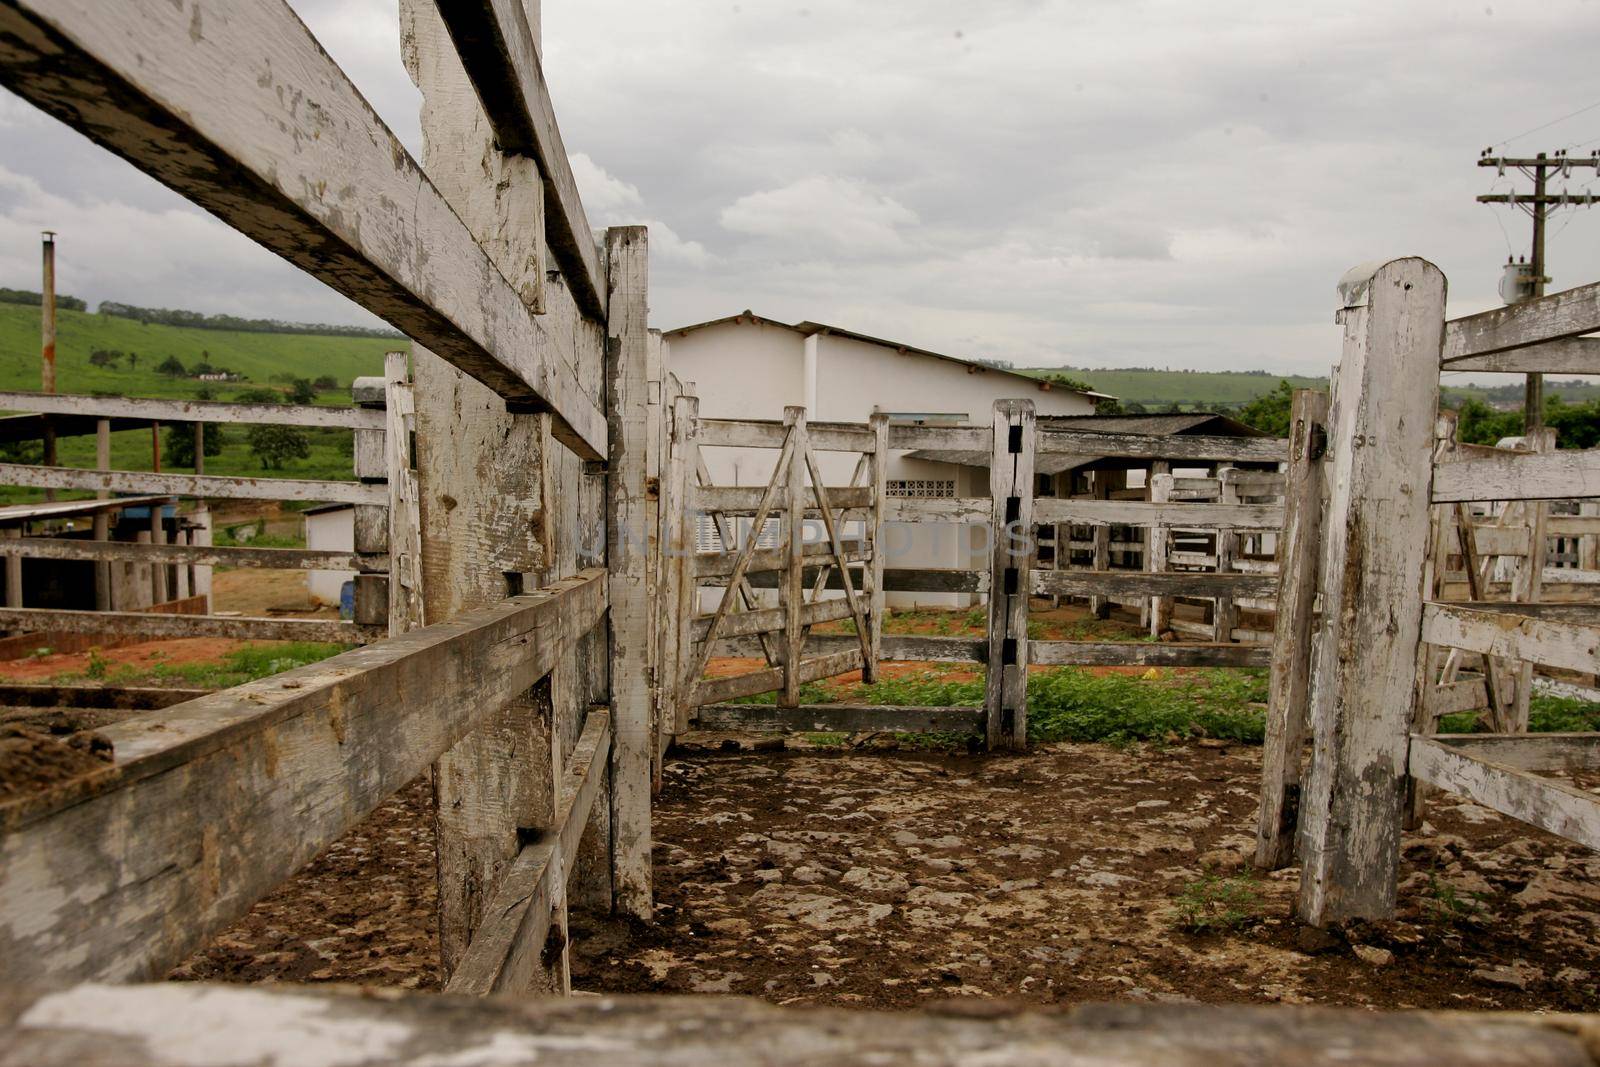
x,y
1010,576
1380,475
878,467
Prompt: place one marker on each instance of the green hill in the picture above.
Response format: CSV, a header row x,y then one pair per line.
x,y
268,360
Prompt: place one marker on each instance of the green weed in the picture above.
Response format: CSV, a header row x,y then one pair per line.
x,y
1214,904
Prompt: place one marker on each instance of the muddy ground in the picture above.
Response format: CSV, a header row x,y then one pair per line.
x,y
888,878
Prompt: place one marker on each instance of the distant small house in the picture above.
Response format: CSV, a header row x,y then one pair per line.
x,y
221,376
330,528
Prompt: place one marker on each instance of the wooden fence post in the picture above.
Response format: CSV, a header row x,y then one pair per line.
x,y
405,527
1160,541
878,467
1223,613
102,521
1010,577
1375,537
684,463
792,590
1100,536
1290,683
628,539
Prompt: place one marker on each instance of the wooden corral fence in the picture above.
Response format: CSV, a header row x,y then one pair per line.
x,y
383,496
762,542
1363,673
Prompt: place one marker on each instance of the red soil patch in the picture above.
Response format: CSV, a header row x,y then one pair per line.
x,y
143,657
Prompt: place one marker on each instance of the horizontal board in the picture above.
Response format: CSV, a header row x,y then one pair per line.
x,y
717,690
1564,474
1550,804
206,485
1572,525
721,564
248,116
1141,513
742,499
937,509
761,433
196,555
895,580
1564,636
1549,318
767,620
150,624
1090,443
839,718
1464,694
1566,355
1530,752
232,792
1143,583
1140,654
127,407
1490,540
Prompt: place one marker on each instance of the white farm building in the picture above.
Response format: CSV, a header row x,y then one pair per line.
x,y
748,367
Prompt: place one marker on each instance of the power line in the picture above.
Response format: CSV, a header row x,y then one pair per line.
x,y
1552,122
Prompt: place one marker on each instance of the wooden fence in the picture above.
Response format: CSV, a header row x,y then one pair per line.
x,y
1364,685
854,556
383,496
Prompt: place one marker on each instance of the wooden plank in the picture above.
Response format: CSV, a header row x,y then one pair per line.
x,y
1159,556
770,620
1375,537
1010,574
902,580
840,718
1189,516
185,1022
222,116
1450,698
1550,804
406,608
234,791
873,574
630,541
791,592
1092,443
204,485
202,411
1100,539
1289,686
1224,615
1518,631
194,555
1531,322
744,499
497,48
1573,525
1508,475
758,433
504,953
718,564
1139,654
937,509
716,690
151,624
1530,752
1142,583
1565,355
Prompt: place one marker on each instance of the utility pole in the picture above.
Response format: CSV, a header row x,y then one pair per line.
x,y
47,348
1540,168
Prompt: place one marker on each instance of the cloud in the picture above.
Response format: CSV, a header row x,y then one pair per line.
x,y
837,213
610,201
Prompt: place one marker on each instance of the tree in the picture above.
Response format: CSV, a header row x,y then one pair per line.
x,y
172,367
1269,412
201,368
273,445
178,448
260,396
326,384
105,357
302,391
133,361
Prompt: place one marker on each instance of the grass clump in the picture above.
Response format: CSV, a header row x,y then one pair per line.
x,y
1214,904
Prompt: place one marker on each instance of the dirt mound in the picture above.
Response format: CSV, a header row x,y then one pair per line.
x,y
33,757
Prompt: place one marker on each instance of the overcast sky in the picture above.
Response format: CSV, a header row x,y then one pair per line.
x,y
1091,183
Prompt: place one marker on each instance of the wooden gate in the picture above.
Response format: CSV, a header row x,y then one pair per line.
x,y
796,534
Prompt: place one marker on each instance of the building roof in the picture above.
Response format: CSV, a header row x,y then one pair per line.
x,y
63,508
809,328
323,509
1196,423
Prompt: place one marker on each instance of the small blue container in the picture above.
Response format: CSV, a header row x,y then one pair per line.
x,y
347,600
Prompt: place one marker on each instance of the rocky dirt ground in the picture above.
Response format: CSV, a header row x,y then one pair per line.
x,y
886,878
